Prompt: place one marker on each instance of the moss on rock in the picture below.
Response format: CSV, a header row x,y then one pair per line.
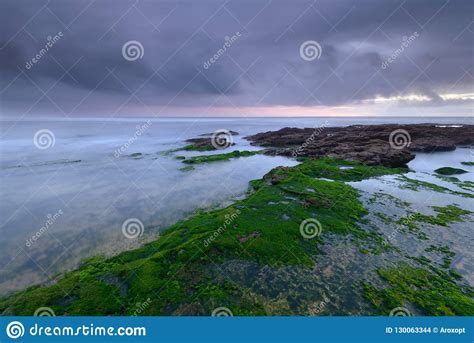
x,y
432,292
176,271
450,171
219,157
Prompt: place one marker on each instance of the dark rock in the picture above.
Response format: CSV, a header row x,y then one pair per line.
x,y
199,141
233,133
204,143
276,175
136,155
388,145
450,171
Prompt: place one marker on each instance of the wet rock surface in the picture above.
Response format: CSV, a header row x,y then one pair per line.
x,y
205,143
387,145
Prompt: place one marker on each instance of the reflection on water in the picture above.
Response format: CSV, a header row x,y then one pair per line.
x,y
384,212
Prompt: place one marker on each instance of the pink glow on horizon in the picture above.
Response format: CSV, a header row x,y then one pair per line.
x,y
271,111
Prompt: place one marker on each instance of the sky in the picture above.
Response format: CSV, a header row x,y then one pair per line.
x,y
115,58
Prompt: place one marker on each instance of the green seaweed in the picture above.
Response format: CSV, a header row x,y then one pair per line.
x,y
380,196
345,170
416,185
450,171
383,217
219,157
444,215
466,163
194,147
136,155
187,168
178,273
442,249
466,185
448,254
431,292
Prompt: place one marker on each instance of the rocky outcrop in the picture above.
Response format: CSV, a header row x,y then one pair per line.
x,y
220,139
388,145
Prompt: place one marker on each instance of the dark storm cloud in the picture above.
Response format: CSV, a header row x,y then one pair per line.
x,y
85,68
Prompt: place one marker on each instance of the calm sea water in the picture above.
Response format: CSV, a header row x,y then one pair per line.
x,y
68,202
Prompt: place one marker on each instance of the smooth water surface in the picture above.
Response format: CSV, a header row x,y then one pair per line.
x,y
68,202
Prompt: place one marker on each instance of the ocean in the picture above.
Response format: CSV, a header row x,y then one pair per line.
x,y
67,201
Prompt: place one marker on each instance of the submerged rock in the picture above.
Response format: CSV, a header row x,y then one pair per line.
x,y
203,144
136,155
450,171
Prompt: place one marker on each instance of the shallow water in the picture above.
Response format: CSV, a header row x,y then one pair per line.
x,y
458,236
81,191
